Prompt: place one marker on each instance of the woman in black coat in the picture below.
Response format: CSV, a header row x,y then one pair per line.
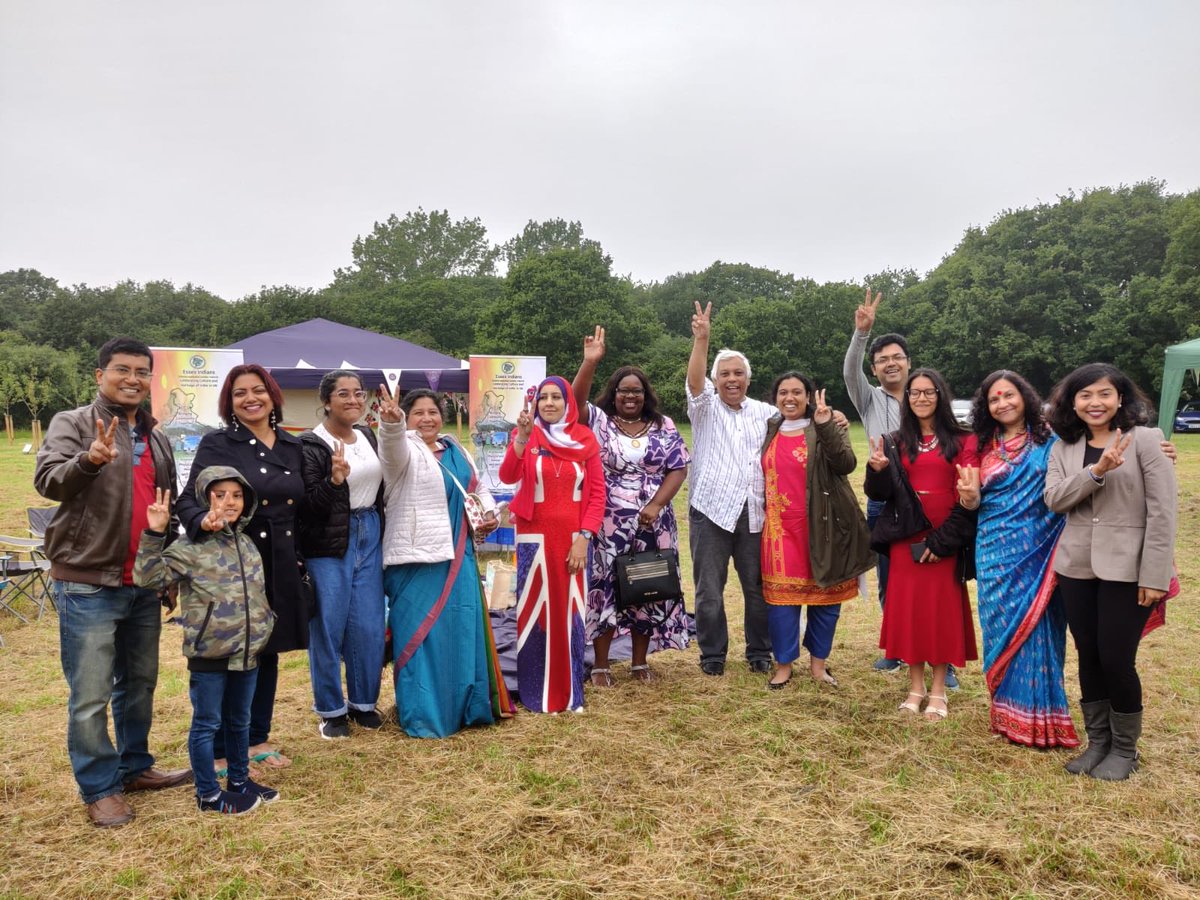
x,y
269,458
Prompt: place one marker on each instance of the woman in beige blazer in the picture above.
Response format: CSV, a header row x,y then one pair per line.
x,y
1110,477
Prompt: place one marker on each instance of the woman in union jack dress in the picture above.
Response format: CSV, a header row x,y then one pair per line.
x,y
557,508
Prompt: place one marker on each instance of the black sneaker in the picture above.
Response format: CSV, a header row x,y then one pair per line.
x,y
228,803
334,729
368,719
254,789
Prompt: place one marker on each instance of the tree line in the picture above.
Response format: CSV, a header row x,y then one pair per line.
x,y
1106,274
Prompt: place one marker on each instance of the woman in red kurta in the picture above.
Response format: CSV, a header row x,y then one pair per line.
x,y
790,585
927,617
557,509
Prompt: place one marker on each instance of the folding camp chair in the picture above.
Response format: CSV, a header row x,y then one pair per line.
x,y
39,519
26,574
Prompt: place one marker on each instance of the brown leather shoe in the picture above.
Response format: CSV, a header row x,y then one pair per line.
x,y
110,811
156,780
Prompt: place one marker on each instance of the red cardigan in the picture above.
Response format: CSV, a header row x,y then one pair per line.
x,y
521,469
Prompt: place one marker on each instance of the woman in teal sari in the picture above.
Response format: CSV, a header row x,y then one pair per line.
x,y
1021,611
445,667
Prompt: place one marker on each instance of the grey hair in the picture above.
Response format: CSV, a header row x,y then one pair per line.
x,y
330,379
725,353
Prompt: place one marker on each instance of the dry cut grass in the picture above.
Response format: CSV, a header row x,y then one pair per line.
x,y
691,787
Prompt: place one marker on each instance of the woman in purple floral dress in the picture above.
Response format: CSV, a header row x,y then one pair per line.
x,y
645,463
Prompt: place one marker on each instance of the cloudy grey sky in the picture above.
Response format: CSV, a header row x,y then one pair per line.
x,y
241,144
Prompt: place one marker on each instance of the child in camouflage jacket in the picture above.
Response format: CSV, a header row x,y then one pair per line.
x,y
226,622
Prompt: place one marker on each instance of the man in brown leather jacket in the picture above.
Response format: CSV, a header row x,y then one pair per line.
x,y
102,462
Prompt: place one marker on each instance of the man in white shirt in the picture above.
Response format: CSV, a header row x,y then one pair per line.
x,y
725,498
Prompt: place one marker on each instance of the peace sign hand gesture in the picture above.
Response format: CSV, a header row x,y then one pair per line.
x,y
389,406
1113,455
158,513
878,460
593,346
340,468
864,316
968,486
213,521
702,322
821,412
103,449
525,421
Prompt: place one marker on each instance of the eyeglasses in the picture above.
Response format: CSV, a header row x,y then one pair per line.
x,y
895,357
346,395
929,393
125,372
631,392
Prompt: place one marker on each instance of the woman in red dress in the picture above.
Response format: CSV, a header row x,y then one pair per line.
x,y
557,508
927,618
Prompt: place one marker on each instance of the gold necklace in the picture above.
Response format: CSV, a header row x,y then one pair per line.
x,y
634,439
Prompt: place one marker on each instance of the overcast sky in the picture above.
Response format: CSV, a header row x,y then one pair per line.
x,y
241,144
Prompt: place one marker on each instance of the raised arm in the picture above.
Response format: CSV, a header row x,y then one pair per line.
x,y
857,385
581,387
393,436
698,361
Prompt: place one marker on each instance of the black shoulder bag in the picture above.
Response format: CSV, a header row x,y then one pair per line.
x,y
648,576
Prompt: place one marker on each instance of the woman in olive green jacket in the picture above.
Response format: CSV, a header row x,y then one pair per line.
x,y
815,540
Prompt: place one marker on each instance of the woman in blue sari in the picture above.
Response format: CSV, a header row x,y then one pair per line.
x,y
445,667
1020,609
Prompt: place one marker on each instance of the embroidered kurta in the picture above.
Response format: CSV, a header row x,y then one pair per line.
x,y
787,567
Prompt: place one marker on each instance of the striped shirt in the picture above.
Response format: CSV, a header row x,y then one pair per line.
x,y
879,410
726,473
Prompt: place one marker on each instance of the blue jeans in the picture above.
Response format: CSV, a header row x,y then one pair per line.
x,y
874,508
350,621
108,642
220,701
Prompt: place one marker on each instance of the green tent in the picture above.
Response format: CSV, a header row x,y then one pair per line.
x,y
1180,359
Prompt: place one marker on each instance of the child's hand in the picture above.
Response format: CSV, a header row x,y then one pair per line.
x,y
158,513
214,521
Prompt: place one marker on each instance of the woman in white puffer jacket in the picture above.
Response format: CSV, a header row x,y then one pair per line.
x,y
447,673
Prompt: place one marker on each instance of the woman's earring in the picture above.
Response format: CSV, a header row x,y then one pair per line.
x,y
235,421
271,418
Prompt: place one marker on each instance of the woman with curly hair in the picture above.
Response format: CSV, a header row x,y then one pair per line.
x,y
1021,614
645,463
1109,475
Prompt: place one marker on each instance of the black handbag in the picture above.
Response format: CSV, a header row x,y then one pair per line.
x,y
648,576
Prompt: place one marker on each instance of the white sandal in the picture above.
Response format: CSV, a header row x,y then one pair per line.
x,y
606,682
909,706
933,711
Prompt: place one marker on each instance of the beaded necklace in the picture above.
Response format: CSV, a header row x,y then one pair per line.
x,y
1018,453
924,445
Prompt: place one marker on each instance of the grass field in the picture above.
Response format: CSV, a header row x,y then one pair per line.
x,y
691,787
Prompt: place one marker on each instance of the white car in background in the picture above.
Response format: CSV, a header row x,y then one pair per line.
x,y
962,412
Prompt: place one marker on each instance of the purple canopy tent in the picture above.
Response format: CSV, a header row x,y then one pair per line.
x,y
297,356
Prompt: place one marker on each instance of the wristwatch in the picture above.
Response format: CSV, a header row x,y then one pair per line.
x,y
584,533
